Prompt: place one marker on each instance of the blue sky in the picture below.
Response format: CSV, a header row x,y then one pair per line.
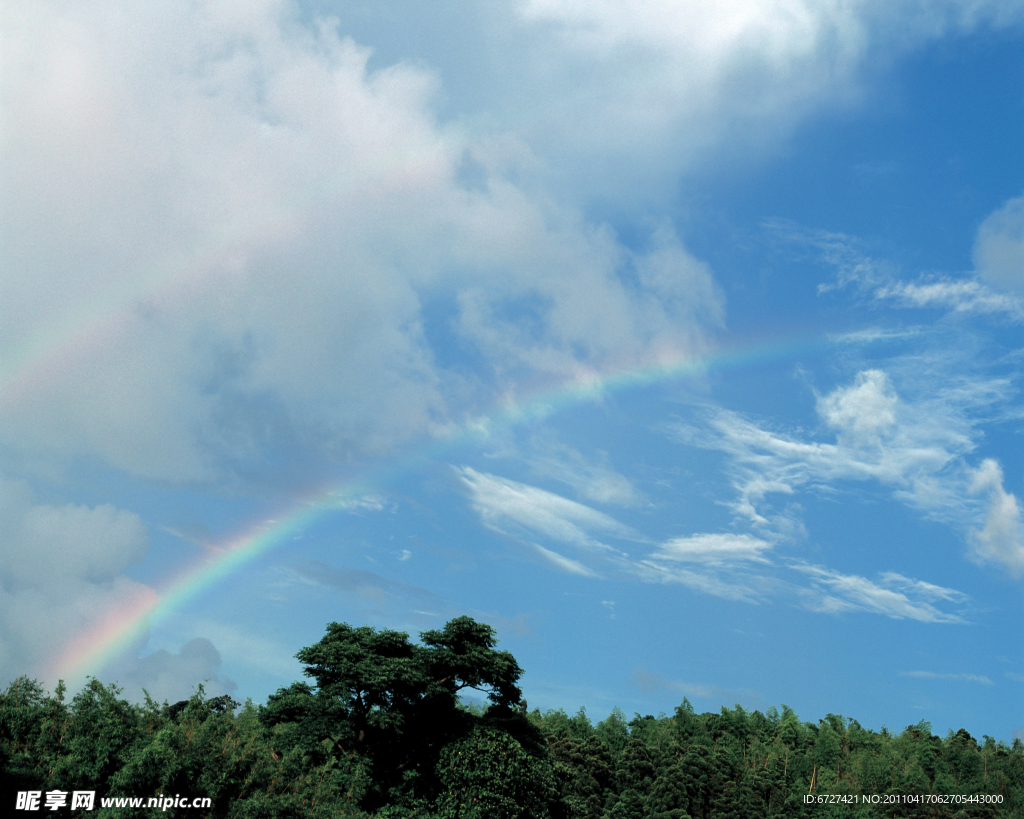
x,y
679,342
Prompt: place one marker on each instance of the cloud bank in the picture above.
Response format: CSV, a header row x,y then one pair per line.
x,y
62,573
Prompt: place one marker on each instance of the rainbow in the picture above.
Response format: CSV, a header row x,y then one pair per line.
x,y
114,633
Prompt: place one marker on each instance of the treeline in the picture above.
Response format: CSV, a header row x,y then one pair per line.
x,y
380,730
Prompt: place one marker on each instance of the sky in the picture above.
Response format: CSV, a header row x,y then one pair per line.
x,y
681,342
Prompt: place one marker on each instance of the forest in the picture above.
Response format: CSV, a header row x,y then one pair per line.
x,y
383,727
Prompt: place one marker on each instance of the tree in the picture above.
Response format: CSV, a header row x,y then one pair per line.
x,y
395,703
378,678
488,775
463,656
583,770
668,798
613,731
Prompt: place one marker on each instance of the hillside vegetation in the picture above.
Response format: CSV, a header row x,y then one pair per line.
x,y
380,729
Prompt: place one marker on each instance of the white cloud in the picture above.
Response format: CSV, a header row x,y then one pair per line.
x,y
724,581
995,289
863,412
999,248
713,549
1001,540
958,295
893,596
591,478
227,236
565,563
355,505
931,675
874,334
503,503
915,447
727,565
693,78
921,589
524,511
63,577
62,573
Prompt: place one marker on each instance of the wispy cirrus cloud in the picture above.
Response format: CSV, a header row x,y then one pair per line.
x,y
713,563
732,566
994,288
592,478
956,295
730,582
892,595
714,549
565,563
931,675
503,503
723,564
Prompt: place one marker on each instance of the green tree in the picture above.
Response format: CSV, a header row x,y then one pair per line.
x,y
462,655
488,775
98,732
583,771
669,797
381,697
613,731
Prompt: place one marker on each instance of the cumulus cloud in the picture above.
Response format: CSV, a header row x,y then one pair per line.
x,y
174,677
61,566
999,248
1001,539
228,236
863,412
63,575
235,243
696,78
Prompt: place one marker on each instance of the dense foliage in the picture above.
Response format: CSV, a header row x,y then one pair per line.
x,y
382,732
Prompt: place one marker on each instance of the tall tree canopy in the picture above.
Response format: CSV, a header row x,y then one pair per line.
x,y
395,703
